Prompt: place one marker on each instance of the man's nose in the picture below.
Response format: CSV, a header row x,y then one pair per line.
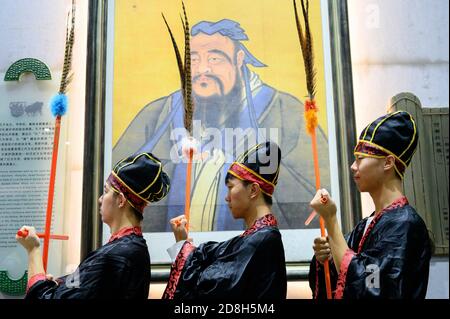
x,y
203,66
353,167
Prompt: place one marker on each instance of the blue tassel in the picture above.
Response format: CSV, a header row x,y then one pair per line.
x,y
59,104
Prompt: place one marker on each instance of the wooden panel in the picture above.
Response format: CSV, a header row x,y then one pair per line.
x,y
445,211
426,180
431,183
413,185
441,175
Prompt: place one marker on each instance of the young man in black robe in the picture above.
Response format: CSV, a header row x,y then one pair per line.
x,y
388,254
249,266
121,268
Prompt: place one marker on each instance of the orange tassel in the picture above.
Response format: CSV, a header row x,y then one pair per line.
x,y
311,116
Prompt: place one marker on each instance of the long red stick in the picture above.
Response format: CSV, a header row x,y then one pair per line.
x,y
24,233
321,222
51,192
187,199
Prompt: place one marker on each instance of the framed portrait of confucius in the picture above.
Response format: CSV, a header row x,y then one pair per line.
x,y
241,65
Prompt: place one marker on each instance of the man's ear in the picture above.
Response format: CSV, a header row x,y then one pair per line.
x,y
255,190
389,162
121,200
240,58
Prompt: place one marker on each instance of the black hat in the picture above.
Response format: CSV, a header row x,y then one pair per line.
x,y
260,164
392,134
141,179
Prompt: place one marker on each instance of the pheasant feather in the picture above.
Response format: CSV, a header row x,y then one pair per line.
x,y
307,48
58,107
188,103
186,88
308,60
311,111
177,53
70,39
184,68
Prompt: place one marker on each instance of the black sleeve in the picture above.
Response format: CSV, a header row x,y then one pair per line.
x,y
252,269
395,266
316,278
102,279
267,269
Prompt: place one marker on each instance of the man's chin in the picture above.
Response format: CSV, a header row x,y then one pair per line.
x,y
207,94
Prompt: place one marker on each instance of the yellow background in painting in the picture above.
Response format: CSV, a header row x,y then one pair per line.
x,y
145,67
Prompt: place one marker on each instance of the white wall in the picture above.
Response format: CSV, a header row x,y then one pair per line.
x,y
400,46
396,46
32,29
438,282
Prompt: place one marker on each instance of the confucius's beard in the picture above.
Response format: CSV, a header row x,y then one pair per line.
x,y
220,110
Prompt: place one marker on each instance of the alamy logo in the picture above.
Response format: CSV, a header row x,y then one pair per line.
x,y
73,279
373,278
373,16
211,143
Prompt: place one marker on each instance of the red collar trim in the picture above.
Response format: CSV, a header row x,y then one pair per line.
x,y
125,232
400,202
267,220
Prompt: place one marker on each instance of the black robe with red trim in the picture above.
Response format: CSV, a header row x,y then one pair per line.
x,y
391,260
118,270
249,266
